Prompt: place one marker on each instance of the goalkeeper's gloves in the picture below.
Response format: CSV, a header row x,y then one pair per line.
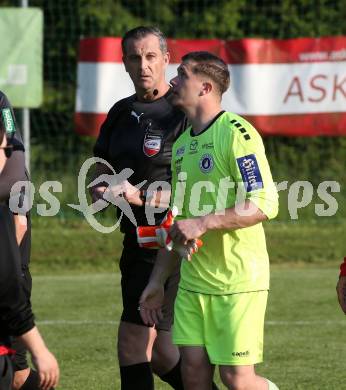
x,y
155,237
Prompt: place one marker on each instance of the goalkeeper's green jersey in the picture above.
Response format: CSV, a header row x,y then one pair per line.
x,y
217,169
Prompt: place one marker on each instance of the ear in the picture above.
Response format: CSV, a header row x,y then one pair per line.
x,y
207,87
166,58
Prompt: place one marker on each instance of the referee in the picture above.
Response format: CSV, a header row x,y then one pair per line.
x,y
16,317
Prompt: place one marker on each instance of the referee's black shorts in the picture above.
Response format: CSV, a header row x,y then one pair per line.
x,y
136,265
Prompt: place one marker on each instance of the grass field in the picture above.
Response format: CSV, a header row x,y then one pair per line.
x,y
305,331
77,303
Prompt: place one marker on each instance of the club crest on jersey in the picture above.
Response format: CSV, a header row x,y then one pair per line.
x,y
151,145
206,163
250,172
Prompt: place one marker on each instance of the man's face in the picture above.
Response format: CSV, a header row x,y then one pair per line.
x,y
187,87
145,62
3,158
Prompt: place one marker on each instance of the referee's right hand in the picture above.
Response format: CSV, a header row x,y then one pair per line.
x,y
150,303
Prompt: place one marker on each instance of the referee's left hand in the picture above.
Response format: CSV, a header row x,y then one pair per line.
x,y
187,230
150,303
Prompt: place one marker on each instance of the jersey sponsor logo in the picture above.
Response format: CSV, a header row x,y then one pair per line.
x,y
179,161
180,151
138,117
208,145
250,172
206,163
177,164
193,146
241,354
8,121
151,145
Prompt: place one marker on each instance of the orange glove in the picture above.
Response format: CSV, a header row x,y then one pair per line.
x,y
155,237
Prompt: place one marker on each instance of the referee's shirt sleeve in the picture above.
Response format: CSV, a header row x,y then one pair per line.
x,y
250,169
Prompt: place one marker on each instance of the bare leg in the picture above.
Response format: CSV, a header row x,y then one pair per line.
x,y
135,343
242,378
196,368
165,355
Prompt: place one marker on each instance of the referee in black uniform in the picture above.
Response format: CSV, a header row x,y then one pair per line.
x,y
16,317
139,133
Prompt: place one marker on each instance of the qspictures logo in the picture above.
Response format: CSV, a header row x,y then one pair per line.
x,y
299,195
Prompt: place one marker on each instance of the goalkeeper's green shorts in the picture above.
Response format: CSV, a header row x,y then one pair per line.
x,y
229,327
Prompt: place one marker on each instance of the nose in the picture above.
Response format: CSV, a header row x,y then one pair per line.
x,y
144,63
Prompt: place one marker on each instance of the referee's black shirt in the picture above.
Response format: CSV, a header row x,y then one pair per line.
x,y
140,136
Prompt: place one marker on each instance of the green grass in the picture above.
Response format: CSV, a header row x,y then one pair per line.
x,y
78,315
78,308
73,246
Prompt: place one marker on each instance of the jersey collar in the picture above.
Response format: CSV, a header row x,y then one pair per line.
x,y
210,124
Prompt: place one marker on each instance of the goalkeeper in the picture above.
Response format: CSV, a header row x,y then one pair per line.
x,y
223,188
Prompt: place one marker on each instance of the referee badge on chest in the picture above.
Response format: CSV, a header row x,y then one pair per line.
x,y
152,144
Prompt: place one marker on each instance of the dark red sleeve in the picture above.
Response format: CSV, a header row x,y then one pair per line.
x,y
343,268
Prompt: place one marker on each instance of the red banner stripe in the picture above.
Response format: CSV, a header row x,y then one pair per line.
x,y
100,50
307,125
88,123
242,51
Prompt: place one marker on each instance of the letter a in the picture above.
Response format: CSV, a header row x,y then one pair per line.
x,y
295,83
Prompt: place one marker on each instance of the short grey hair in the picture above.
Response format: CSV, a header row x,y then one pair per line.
x,y
141,32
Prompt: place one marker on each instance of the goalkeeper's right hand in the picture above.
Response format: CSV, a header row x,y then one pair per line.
x,y
184,250
155,237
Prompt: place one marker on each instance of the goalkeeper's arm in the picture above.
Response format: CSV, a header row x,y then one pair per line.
x,y
151,300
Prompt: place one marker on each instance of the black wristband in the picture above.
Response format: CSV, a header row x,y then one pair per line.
x,y
145,196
